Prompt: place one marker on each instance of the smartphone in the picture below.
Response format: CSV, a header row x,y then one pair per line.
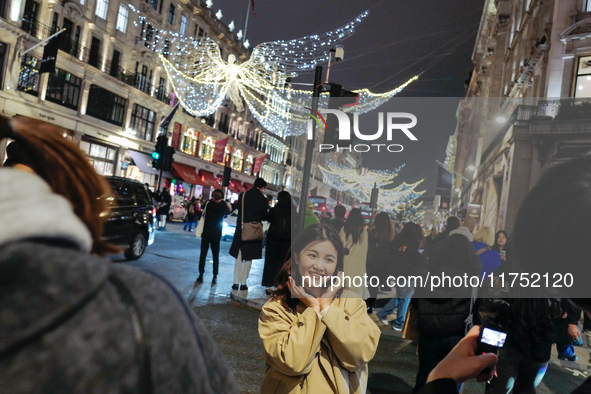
x,y
490,340
503,253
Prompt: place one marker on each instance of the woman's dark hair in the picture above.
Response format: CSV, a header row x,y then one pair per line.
x,y
62,165
314,233
354,225
551,227
383,229
284,199
410,236
496,246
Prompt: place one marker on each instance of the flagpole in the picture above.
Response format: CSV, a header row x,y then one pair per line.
x,y
246,23
460,175
42,42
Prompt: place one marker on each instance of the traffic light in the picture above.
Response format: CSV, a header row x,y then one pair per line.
x,y
159,152
227,176
168,160
339,98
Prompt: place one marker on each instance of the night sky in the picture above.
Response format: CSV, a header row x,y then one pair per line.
x,y
399,39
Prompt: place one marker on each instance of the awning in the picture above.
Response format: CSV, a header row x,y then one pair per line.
x,y
187,173
144,163
232,187
210,180
248,186
239,186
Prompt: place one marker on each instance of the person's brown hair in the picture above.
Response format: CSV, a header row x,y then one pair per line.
x,y
60,163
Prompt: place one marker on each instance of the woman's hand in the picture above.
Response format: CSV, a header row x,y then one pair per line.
x,y
330,294
306,298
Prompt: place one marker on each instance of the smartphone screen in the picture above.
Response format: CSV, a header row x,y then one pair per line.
x,y
493,338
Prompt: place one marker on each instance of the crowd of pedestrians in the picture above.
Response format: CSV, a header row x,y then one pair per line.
x,y
57,286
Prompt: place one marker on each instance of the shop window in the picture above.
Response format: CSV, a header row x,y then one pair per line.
x,y
104,105
63,88
143,122
207,148
237,160
583,78
28,79
248,164
102,157
190,142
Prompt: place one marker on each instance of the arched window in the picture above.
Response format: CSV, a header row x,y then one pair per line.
x,y
207,148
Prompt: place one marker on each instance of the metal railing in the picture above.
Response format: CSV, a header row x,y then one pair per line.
x,y
564,109
36,29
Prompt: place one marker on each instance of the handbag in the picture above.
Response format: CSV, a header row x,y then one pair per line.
x,y
411,324
199,229
251,231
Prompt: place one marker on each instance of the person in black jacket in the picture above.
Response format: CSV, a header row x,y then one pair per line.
x,y
72,321
339,218
442,315
540,241
378,252
215,210
164,208
255,210
278,238
451,224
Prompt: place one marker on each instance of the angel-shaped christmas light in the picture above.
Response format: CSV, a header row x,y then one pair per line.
x,y
202,79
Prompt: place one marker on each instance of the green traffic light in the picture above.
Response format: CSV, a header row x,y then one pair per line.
x,y
155,155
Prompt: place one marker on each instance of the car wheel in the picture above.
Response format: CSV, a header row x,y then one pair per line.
x,y
137,247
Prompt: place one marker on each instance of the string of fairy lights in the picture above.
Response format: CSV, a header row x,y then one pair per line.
x,y
202,80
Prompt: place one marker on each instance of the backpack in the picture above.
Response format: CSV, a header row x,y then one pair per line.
x,y
282,226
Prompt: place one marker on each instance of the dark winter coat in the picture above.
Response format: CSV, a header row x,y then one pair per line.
x,y
337,224
195,216
255,210
443,311
214,218
277,246
165,201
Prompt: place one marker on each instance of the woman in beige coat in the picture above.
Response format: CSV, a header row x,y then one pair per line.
x,y
317,339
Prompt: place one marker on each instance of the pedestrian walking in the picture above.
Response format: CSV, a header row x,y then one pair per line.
x,y
354,237
213,217
78,323
490,259
452,223
193,210
339,218
442,313
278,238
252,208
378,252
164,208
316,339
408,262
501,245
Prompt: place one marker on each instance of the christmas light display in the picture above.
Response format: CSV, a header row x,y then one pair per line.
x,y
360,183
201,79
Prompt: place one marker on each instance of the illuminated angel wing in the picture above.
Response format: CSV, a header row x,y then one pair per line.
x,y
195,70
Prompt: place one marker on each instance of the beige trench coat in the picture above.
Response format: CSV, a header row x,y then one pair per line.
x,y
305,354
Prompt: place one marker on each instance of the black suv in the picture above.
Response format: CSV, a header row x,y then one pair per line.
x,y
132,219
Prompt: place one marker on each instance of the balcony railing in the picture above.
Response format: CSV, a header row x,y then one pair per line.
x,y
564,109
36,29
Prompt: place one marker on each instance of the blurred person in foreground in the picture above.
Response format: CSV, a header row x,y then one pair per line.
x,y
73,322
540,241
317,339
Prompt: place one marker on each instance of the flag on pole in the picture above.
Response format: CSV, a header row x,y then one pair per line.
x,y
254,13
50,55
166,121
444,181
258,163
218,151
